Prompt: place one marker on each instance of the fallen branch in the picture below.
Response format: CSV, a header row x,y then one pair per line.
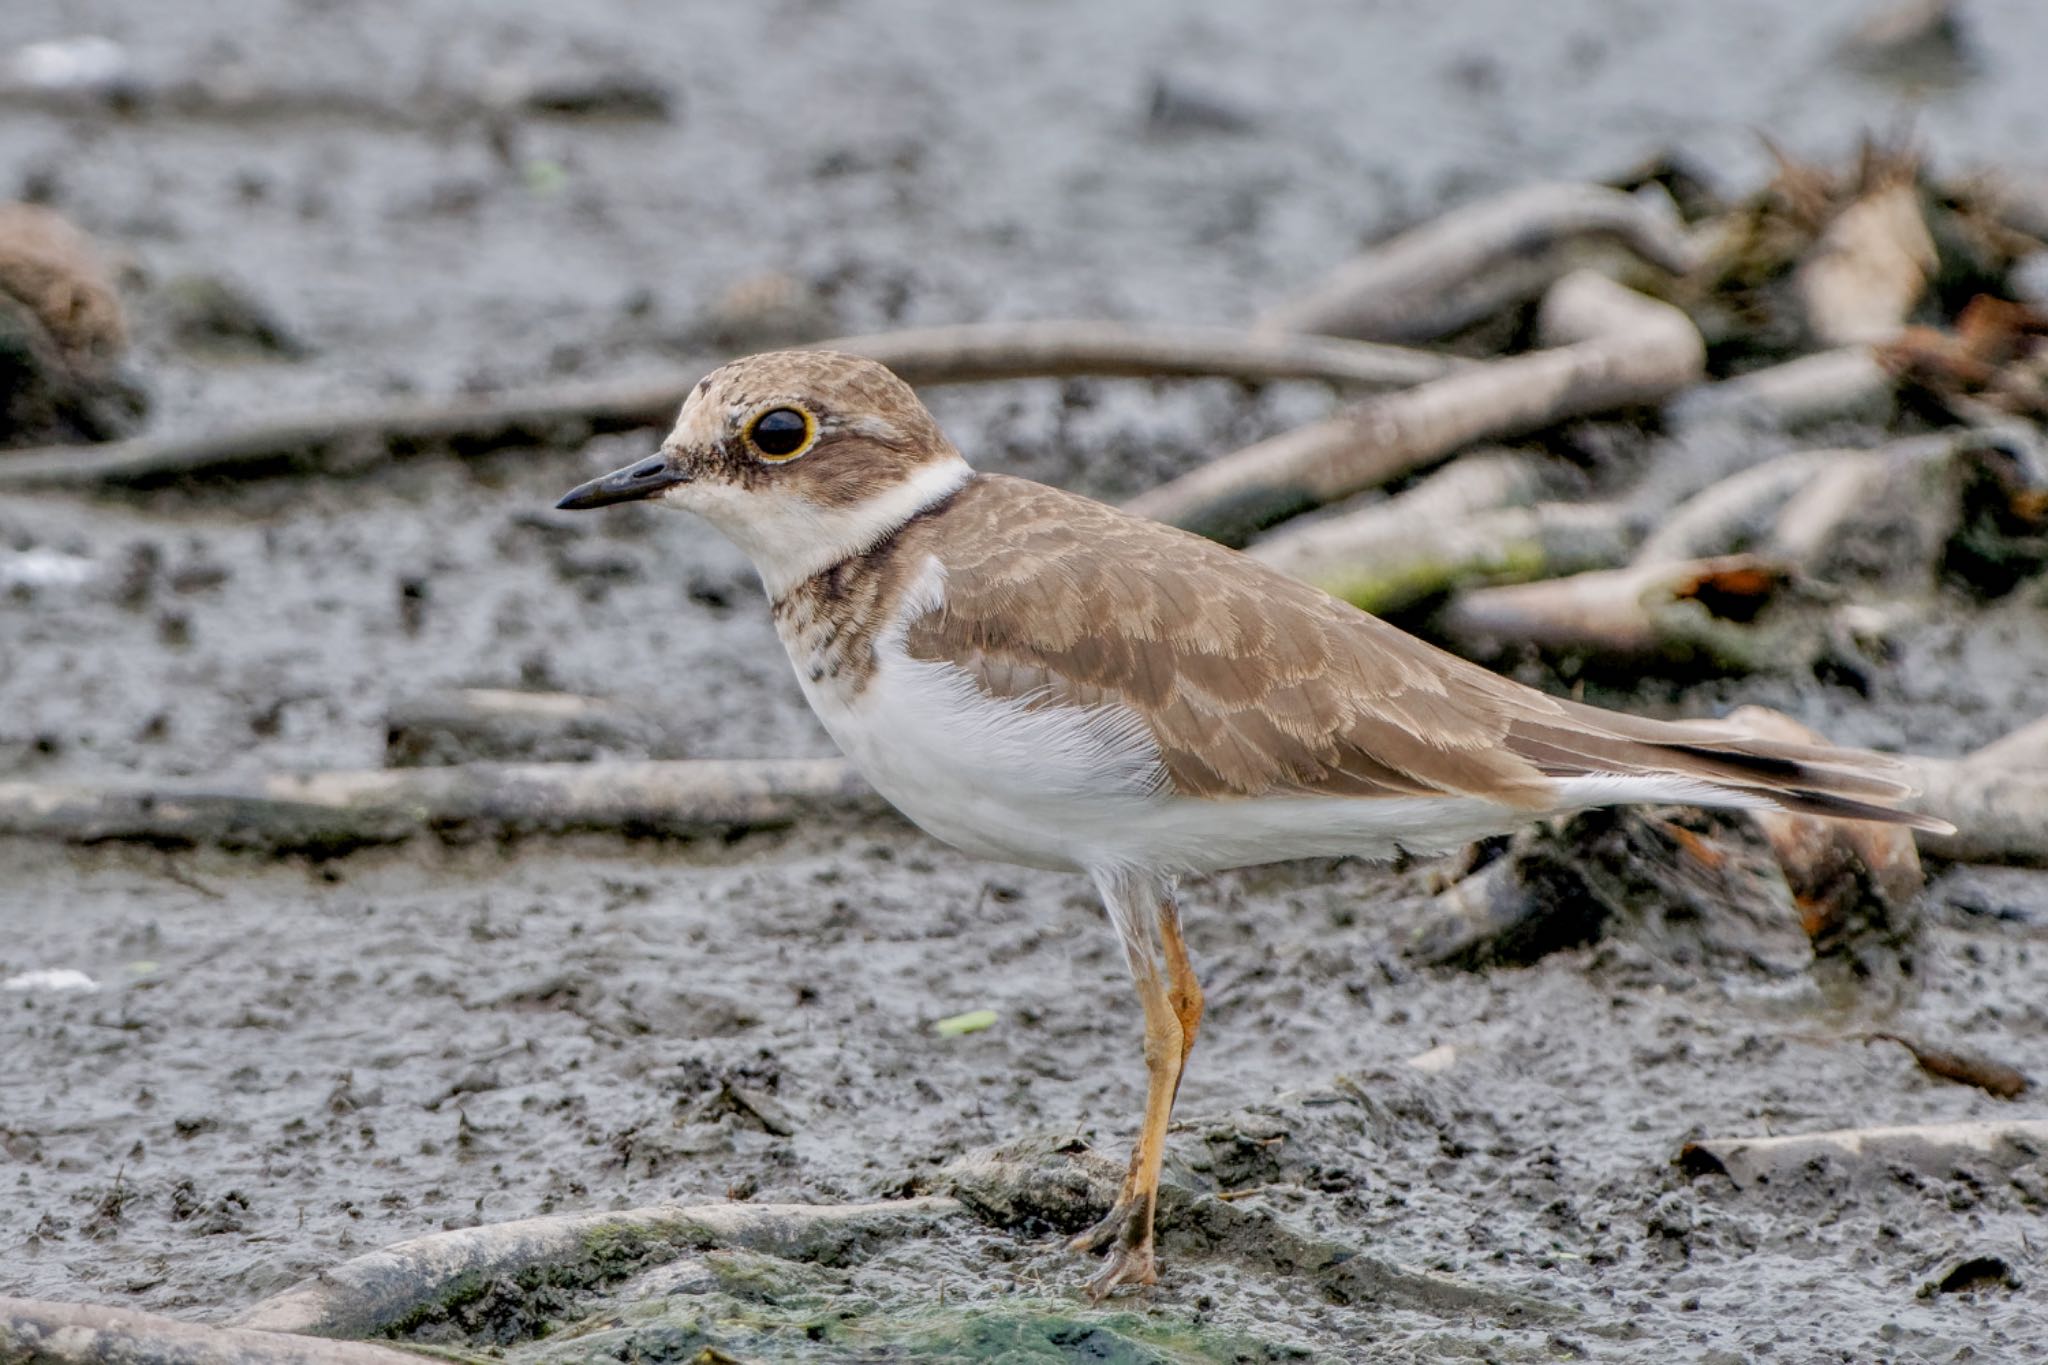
x,y
421,1281
1479,259
35,1332
1934,1148
1824,387
1466,486
1610,347
979,352
2023,749
1694,611
333,812
2000,814
1506,545
1735,514
568,415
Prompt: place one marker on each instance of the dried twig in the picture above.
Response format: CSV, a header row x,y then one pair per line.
x,y
1473,261
417,1281
34,1332
569,414
1610,347
337,811
1960,1065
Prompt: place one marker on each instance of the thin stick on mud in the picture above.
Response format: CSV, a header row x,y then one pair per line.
x,y
333,812
1964,1067
416,1281
36,1332
564,416
1476,260
1609,347
1931,1147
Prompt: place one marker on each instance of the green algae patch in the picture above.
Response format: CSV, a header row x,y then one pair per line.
x,y
859,1327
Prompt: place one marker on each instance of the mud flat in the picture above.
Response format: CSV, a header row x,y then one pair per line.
x,y
223,1073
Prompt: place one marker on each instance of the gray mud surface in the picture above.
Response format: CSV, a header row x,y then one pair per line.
x,y
286,1064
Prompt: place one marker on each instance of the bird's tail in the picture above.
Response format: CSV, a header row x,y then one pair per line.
x,y
1716,762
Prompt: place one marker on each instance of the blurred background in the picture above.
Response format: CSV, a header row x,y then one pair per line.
x,y
239,215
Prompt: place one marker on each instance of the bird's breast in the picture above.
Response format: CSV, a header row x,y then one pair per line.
x,y
995,776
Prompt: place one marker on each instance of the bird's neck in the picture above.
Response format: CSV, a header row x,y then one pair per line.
x,y
792,540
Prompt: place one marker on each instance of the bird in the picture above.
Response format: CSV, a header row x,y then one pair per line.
x,y
1038,678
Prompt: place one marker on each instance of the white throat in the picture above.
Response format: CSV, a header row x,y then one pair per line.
x,y
790,538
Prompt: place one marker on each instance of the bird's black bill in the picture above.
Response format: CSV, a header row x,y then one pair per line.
x,y
635,481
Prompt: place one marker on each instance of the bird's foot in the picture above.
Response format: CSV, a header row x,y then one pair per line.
x,y
1124,1265
1104,1232
1126,1232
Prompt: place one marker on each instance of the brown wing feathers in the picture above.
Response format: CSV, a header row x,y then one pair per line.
x,y
1254,684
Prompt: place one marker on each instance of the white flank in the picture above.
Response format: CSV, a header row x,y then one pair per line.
x,y
789,538
995,776
1082,788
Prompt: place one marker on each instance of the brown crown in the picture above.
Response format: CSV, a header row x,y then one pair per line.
x,y
872,430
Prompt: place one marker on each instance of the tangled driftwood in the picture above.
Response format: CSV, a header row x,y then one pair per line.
x,y
1468,264
1609,347
1705,611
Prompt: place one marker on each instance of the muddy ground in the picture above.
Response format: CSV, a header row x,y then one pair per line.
x,y
287,1063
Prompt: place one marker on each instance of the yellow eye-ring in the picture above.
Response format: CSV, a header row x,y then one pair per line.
x,y
782,433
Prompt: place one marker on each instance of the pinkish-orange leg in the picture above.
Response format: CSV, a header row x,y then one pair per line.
x,y
1172,1000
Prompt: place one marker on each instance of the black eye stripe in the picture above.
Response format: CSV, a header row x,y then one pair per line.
x,y
780,431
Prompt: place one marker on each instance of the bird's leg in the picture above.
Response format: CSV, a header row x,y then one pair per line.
x,y
1183,987
1149,925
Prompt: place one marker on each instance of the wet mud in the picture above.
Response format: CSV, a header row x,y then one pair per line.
x,y
282,1064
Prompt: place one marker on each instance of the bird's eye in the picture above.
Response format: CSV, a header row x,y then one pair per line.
x,y
782,433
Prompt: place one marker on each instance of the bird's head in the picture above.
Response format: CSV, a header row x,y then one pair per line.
x,y
799,457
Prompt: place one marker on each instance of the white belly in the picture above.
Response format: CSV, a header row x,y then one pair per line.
x,y
991,777
1084,789
1065,788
